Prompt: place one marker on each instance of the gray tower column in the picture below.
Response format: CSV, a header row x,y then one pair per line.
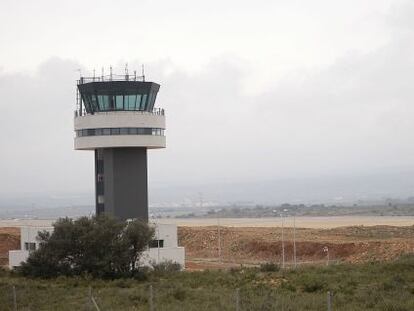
x,y
121,182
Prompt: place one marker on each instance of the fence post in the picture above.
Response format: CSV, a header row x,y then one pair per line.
x,y
329,300
151,298
93,299
14,298
238,299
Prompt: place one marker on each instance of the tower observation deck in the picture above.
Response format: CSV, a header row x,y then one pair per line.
x,y
116,118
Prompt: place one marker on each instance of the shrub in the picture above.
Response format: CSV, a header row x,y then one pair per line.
x,y
166,267
235,270
289,286
313,286
269,267
3,272
179,294
99,246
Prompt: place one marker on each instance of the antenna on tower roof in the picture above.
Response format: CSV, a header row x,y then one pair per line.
x,y
143,72
110,73
93,74
102,73
126,72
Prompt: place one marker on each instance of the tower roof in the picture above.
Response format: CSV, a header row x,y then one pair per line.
x,y
127,94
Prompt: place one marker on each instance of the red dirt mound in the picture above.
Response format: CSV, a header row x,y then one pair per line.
x,y
260,244
9,240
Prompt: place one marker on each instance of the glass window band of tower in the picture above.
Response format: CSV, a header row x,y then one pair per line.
x,y
118,96
121,131
136,102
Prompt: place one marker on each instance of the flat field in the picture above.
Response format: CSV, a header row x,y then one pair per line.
x,y
382,286
315,222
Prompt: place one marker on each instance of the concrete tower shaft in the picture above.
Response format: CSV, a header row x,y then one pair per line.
x,y
116,118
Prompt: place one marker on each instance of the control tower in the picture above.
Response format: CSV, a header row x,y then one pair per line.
x,y
115,117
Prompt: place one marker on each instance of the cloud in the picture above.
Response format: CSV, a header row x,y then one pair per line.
x,y
36,130
353,116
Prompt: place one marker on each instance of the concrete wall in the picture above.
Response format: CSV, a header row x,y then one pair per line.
x,y
170,252
110,141
126,183
29,234
168,233
17,257
119,119
155,256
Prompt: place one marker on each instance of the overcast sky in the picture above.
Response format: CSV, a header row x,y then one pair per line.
x,y
254,90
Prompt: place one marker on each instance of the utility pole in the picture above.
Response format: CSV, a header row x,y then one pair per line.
x,y
158,242
200,196
151,298
238,299
326,250
219,237
14,298
294,240
283,243
154,219
329,301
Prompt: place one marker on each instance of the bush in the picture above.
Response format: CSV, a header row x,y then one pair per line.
x,y
313,286
166,267
3,272
289,286
179,294
269,267
99,246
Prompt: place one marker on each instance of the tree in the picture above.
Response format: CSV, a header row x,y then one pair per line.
x,y
100,246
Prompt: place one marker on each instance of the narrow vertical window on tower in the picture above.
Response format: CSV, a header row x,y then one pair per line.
x,y
119,102
131,102
94,103
149,102
144,102
138,102
99,181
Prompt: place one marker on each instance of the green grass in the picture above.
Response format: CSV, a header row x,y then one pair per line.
x,y
372,286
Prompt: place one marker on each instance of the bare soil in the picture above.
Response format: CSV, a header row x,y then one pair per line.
x,y
9,239
255,245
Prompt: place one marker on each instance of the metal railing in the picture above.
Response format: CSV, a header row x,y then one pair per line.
x,y
155,111
111,77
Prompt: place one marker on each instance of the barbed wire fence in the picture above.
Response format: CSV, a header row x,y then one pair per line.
x,y
163,297
238,300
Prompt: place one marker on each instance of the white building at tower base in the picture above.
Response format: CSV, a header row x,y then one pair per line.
x,y
164,247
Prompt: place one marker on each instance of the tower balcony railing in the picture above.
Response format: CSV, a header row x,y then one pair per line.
x,y
111,77
155,111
